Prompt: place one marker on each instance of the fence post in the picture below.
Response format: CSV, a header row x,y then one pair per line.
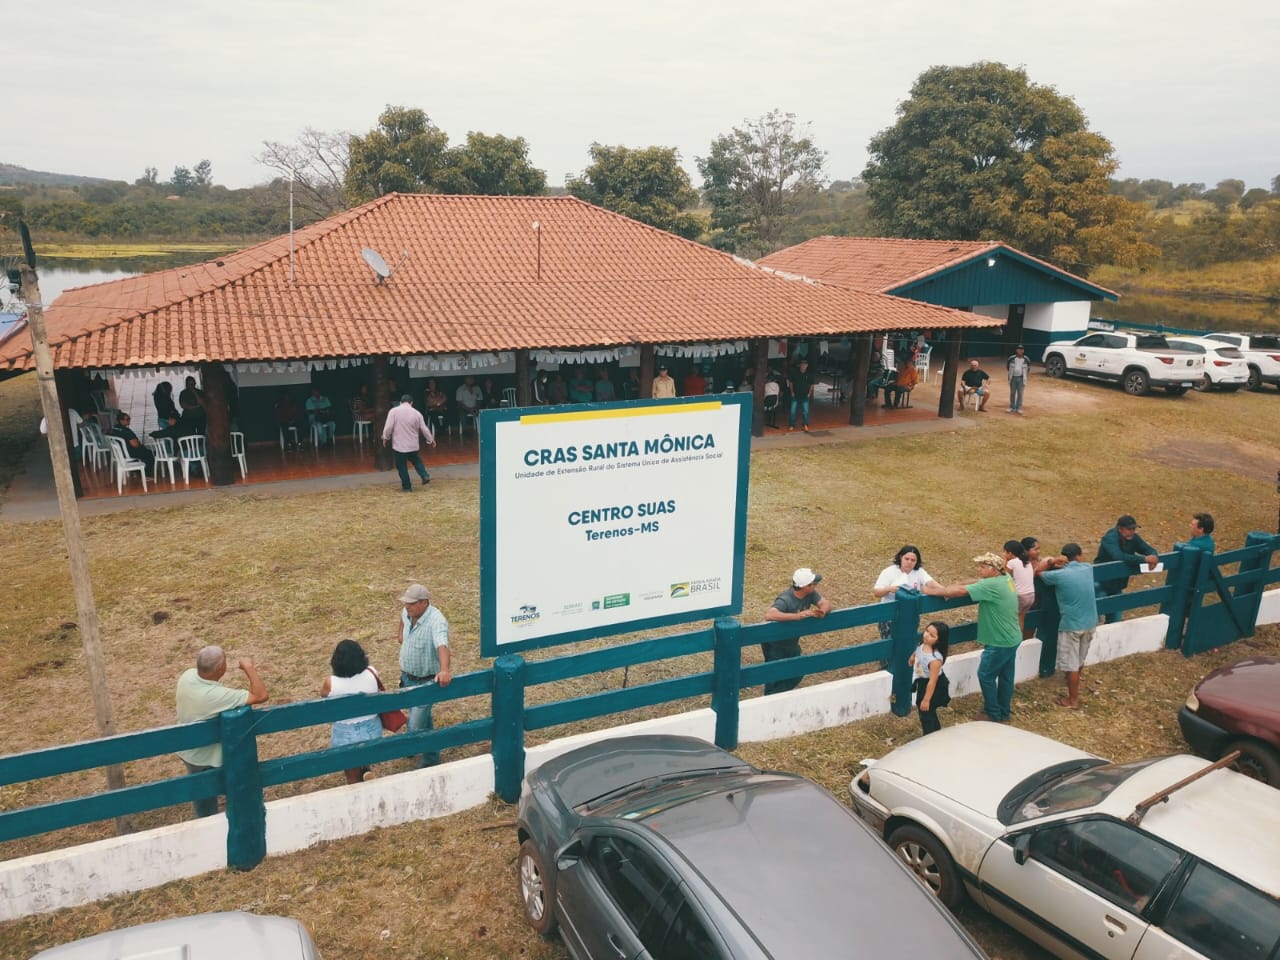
x,y
508,726
726,679
906,635
1178,605
246,809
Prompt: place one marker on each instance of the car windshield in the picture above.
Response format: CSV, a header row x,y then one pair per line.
x,y
1075,791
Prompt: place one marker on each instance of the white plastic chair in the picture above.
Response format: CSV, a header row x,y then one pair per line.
x,y
192,451
166,458
922,363
126,464
293,438
237,451
93,444
360,422
509,396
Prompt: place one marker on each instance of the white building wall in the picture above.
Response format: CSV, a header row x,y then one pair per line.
x,y
62,878
1068,317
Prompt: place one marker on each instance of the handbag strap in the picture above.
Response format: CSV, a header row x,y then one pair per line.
x,y
376,677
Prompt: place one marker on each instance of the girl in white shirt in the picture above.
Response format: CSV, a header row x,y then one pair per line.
x,y
352,674
1019,566
906,572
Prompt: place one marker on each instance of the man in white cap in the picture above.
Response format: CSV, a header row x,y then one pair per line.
x,y
800,601
424,654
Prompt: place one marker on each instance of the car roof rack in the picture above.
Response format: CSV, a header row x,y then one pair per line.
x,y
1141,809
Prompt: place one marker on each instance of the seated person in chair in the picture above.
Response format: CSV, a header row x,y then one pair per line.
x,y
877,375
137,449
288,414
903,383
320,413
974,380
470,399
437,404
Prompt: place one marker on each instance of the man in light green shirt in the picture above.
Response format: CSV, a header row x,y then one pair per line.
x,y
200,696
998,631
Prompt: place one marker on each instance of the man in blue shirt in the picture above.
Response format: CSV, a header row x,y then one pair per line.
x,y
424,654
1078,609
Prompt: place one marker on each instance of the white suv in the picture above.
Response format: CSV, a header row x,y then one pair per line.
x,y
1261,352
1168,858
1224,365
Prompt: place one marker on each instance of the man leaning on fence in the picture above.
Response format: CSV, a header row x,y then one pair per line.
x,y
799,601
1123,544
201,696
424,654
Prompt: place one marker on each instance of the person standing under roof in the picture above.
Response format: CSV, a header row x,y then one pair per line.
x,y
664,388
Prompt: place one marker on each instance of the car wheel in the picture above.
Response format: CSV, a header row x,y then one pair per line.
x,y
1257,761
1255,379
1175,391
1204,383
928,859
1054,366
535,890
1136,383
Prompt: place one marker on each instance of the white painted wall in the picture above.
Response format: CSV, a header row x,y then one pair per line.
x,y
63,878
1070,316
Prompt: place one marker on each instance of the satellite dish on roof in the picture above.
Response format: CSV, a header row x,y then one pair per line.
x,y
374,259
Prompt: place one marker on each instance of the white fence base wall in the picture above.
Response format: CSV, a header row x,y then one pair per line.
x,y
63,878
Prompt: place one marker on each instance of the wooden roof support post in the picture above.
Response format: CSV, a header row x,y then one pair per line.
x,y
950,375
524,379
217,408
861,361
647,358
759,374
86,607
382,402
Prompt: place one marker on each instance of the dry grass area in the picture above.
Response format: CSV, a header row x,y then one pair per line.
x,y
282,579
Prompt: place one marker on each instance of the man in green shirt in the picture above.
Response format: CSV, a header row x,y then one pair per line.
x,y
200,696
1201,533
998,632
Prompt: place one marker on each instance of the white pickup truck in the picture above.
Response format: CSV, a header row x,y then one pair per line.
x,y
1136,361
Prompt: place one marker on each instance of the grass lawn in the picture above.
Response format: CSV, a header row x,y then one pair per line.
x,y
282,579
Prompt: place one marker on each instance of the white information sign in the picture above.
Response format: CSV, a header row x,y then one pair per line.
x,y
606,518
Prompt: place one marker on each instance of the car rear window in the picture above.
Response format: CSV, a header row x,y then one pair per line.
x,y
1078,790
1265,343
1151,341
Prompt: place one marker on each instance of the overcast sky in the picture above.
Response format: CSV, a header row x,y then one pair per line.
x,y
1185,91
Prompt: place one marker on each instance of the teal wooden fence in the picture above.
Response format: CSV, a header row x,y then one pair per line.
x,y
1207,607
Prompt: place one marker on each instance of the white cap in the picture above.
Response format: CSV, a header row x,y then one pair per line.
x,y
804,577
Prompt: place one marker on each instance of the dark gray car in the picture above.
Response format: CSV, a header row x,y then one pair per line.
x,y
670,848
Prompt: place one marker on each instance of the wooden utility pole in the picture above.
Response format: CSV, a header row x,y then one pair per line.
x,y
86,608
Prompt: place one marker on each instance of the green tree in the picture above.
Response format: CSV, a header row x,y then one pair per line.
x,y
646,184
980,152
492,166
183,180
204,174
1254,197
755,179
405,153
1226,195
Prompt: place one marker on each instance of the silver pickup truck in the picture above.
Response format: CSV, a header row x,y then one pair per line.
x,y
1136,361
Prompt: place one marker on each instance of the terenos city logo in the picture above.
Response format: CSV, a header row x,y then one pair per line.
x,y
528,614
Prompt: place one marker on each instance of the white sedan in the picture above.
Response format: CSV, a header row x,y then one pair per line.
x,y
1090,859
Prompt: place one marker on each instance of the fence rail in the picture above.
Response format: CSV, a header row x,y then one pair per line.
x,y
1206,606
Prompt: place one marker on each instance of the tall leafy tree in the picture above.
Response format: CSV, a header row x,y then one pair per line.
x,y
980,152
755,178
492,165
647,184
405,153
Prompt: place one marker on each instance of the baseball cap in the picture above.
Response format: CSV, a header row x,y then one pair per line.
x,y
415,593
991,560
1126,520
804,577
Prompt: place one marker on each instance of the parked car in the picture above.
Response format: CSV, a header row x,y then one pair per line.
x,y
1162,858
1224,365
1238,708
1136,361
207,936
1261,351
668,847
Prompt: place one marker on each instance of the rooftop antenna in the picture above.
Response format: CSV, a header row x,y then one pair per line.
x,y
379,266
291,275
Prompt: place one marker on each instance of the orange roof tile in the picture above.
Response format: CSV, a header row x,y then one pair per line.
x,y
473,280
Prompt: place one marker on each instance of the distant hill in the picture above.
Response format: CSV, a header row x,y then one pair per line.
x,y
13,175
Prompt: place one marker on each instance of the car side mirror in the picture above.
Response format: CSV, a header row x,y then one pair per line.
x,y
569,854
1022,848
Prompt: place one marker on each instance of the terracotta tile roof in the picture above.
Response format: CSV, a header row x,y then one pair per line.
x,y
884,264
472,281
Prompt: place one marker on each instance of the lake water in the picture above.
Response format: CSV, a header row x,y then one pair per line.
x,y
1188,313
